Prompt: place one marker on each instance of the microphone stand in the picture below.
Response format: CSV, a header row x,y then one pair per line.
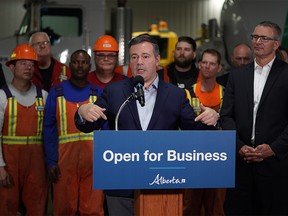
x,y
130,98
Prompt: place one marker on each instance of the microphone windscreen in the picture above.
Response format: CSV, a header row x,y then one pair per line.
x,y
138,80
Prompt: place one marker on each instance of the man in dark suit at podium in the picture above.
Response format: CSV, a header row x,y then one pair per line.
x,y
162,106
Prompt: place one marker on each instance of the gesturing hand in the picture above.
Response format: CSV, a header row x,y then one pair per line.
x,y
91,112
208,116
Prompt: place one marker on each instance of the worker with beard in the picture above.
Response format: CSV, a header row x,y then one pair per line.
x,y
183,71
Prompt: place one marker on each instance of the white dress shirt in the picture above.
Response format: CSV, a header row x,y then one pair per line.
x,y
260,76
146,111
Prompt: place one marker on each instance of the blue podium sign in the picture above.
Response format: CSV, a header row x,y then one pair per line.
x,y
163,159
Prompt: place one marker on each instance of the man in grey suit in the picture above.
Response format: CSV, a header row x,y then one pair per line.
x,y
256,106
166,108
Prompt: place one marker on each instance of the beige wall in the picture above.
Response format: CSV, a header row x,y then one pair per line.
x,y
183,16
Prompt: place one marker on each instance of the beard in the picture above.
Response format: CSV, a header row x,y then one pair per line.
x,y
184,63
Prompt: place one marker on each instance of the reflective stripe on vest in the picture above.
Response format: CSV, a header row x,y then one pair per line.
x,y
12,116
11,138
22,140
64,70
195,102
92,98
63,75
64,137
188,95
40,113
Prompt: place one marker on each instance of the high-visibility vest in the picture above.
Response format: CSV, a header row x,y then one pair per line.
x,y
63,135
13,131
195,102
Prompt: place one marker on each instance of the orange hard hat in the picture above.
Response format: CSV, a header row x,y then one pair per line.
x,y
106,43
23,51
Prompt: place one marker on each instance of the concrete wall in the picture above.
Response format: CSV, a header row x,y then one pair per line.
x,y
12,13
183,16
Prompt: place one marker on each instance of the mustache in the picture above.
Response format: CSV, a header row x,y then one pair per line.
x,y
140,67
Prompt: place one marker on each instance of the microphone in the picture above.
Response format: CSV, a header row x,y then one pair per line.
x,y
138,83
129,99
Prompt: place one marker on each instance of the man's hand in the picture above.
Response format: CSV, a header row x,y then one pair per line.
x,y
249,154
91,112
5,179
257,154
208,116
264,151
54,174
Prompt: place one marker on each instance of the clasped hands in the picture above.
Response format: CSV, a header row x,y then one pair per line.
x,y
257,154
91,112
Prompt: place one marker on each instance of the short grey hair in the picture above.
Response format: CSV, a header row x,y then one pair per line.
x,y
38,33
277,30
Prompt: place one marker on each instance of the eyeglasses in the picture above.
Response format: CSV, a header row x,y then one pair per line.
x,y
43,43
264,39
109,57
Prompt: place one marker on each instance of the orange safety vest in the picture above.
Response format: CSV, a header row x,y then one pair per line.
x,y
75,162
195,101
71,134
16,116
24,155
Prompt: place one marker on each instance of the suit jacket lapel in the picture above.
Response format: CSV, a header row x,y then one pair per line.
x,y
249,87
127,90
273,74
162,94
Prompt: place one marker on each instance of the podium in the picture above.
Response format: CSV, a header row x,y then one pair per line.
x,y
161,202
159,165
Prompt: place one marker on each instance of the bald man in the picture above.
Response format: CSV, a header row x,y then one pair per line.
x,y
242,54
